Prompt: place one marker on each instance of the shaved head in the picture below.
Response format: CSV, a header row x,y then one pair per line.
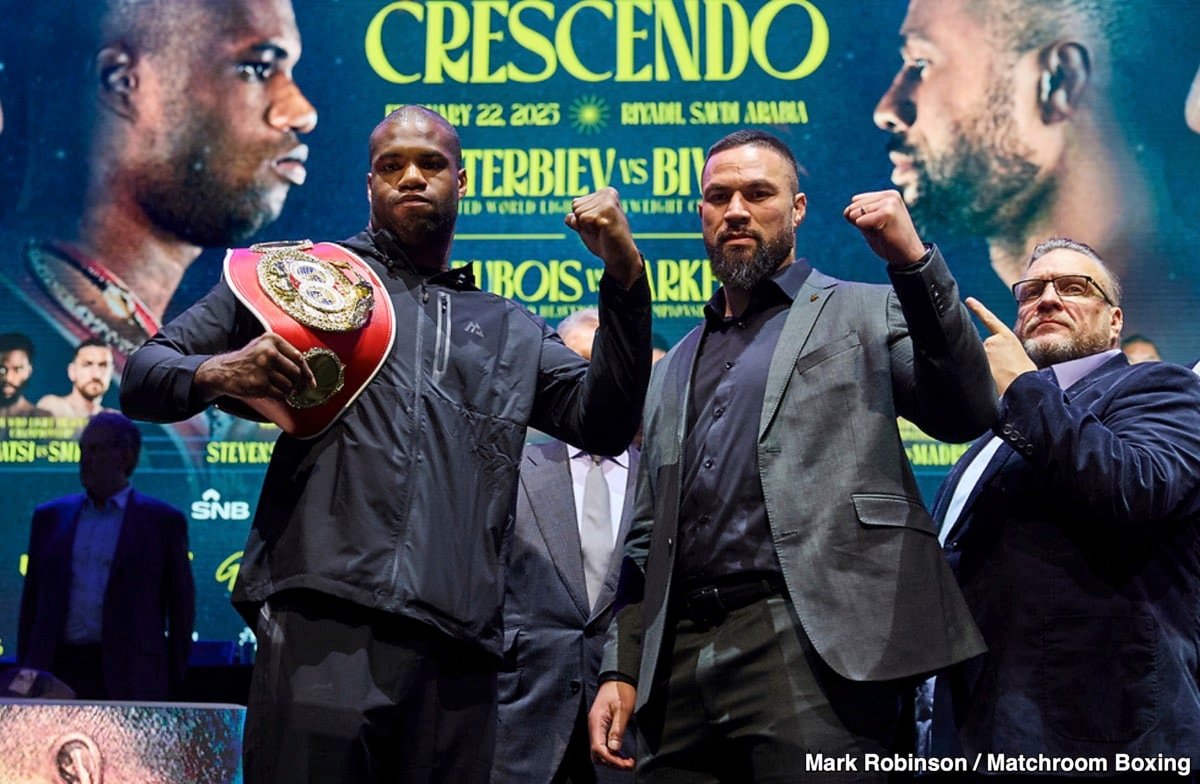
x,y
412,111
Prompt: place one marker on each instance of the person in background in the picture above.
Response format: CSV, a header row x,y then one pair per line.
x,y
1139,348
573,510
1074,531
108,602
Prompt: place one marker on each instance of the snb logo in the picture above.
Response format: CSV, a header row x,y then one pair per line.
x,y
211,507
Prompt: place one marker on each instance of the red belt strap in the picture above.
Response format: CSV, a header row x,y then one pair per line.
x,y
330,305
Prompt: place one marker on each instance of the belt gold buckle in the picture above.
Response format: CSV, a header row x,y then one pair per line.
x,y
316,292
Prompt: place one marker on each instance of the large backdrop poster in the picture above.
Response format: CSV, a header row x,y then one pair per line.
x,y
140,138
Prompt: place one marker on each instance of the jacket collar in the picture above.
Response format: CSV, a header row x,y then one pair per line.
x,y
383,246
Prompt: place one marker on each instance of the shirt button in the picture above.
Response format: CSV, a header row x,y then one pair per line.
x,y
708,463
718,413
728,365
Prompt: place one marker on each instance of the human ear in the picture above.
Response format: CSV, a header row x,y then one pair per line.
x,y
77,759
1066,69
117,74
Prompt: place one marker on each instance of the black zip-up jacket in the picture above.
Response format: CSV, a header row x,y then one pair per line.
x,y
405,504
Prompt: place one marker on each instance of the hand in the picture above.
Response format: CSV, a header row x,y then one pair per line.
x,y
267,366
607,721
884,220
604,229
1006,356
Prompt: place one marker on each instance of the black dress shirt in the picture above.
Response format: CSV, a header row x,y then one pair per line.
x,y
723,528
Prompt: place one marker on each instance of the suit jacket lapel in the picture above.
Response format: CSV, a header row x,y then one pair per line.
x,y
941,501
677,389
995,466
1078,390
547,481
802,316
65,528
126,551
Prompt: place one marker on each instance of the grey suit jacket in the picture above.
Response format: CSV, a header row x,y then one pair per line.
x,y
552,641
858,550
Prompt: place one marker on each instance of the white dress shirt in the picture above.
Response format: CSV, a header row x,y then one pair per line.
x,y
1066,373
616,474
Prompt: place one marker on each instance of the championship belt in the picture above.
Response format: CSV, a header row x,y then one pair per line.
x,y
329,304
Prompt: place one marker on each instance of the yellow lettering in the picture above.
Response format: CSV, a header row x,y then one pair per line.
x,y
685,49
627,36
227,570
500,277
543,284
715,67
438,47
481,40
564,41
570,285
376,57
668,276
818,45
532,41
676,170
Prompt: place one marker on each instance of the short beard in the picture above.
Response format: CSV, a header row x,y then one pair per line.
x,y
418,232
986,185
734,271
90,398
191,195
1044,354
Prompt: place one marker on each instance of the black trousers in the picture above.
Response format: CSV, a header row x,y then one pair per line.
x,y
81,668
342,693
745,701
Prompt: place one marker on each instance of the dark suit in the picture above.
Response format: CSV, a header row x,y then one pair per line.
x,y
1078,552
857,549
149,590
552,640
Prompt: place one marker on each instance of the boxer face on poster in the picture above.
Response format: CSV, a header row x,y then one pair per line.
x,y
78,742
215,115
1016,120
91,371
198,139
15,371
966,148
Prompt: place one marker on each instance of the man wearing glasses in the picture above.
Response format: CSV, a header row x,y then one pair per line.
x,y
1073,531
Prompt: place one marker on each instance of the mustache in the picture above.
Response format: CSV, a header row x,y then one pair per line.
x,y
1035,323
725,234
897,144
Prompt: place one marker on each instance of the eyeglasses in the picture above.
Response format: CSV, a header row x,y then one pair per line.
x,y
1074,286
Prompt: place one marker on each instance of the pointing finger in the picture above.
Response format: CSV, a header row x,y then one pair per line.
x,y
989,319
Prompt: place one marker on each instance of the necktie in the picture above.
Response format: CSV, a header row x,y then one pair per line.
x,y
595,530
